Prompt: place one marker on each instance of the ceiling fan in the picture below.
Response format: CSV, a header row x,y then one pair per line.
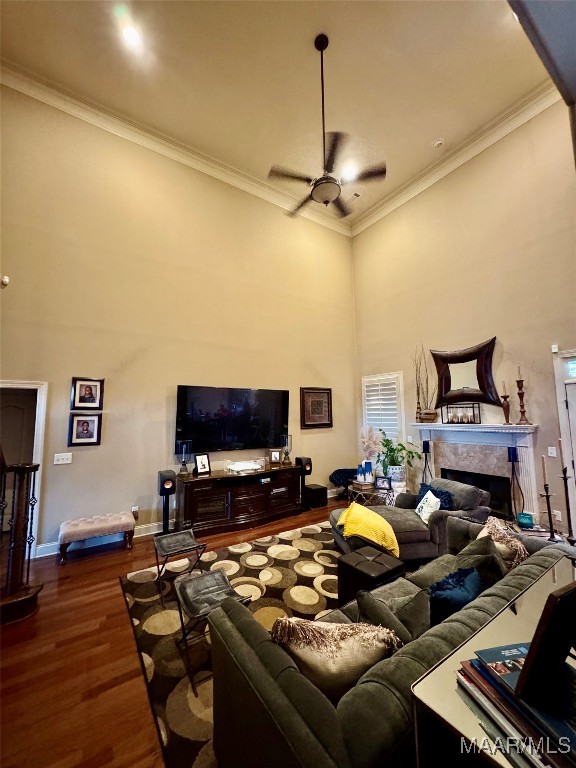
x,y
326,188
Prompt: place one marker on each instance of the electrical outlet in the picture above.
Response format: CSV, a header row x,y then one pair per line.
x,y
552,451
135,511
62,458
557,514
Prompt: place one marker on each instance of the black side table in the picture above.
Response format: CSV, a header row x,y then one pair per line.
x,y
366,568
167,545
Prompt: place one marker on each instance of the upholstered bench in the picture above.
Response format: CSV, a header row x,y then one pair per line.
x,y
99,525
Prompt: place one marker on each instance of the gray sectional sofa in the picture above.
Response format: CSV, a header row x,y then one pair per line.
x,y
418,540
266,713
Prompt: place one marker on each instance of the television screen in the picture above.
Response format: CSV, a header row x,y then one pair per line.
x,y
224,419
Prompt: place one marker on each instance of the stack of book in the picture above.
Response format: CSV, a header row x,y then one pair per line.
x,y
528,735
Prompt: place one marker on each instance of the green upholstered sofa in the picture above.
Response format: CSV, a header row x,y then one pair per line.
x,y
418,540
266,713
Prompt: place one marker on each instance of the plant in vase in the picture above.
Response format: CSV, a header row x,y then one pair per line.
x,y
425,392
394,457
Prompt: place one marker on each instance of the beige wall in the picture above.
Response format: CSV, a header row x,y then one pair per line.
x,y
488,251
127,266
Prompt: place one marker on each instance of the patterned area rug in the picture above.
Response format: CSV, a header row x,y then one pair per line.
x,y
291,574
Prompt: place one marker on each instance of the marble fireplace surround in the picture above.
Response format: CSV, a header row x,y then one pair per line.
x,y
483,448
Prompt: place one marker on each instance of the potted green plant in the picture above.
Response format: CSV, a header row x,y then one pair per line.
x,y
394,457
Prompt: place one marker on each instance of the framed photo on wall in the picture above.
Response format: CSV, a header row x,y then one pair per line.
x,y
315,407
84,429
202,463
86,393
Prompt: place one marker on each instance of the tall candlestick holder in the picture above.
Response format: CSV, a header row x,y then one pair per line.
x,y
506,408
565,476
523,419
547,495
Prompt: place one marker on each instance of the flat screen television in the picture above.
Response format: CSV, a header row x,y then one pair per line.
x,y
225,419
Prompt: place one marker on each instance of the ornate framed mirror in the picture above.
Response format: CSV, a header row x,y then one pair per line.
x,y
465,376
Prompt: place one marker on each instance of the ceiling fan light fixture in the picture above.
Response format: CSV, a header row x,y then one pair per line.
x,y
325,190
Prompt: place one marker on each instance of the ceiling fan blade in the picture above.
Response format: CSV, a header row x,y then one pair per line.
x,y
299,206
336,138
340,207
276,172
375,172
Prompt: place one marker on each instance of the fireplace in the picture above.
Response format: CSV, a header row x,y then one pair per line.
x,y
483,450
499,489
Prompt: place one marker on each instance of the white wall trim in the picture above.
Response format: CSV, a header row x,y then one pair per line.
x,y
538,102
181,153
41,388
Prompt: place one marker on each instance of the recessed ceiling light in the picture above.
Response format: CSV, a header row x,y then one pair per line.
x,y
132,37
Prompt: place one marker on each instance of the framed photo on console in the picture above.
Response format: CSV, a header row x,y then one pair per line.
x,y
84,429
86,394
315,407
383,483
275,456
202,462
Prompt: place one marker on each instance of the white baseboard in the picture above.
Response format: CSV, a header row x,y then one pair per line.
x,y
52,548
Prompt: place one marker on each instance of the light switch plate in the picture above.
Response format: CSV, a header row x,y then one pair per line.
x,y
62,458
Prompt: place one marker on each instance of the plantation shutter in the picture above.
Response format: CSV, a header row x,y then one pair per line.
x,y
382,405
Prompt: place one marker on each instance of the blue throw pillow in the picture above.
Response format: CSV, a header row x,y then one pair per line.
x,y
444,496
453,592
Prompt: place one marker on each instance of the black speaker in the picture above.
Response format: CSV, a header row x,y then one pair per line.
x,y
512,453
166,482
425,446
305,463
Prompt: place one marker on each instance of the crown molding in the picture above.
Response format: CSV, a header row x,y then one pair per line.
x,y
538,102
171,149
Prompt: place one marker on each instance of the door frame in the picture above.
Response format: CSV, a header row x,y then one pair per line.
x,y
561,378
41,388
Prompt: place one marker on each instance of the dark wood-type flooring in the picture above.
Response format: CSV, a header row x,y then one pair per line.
x,y
71,687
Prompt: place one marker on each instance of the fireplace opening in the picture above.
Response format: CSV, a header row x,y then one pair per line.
x,y
498,487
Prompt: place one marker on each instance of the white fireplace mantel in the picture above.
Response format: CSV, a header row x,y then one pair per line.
x,y
519,436
480,434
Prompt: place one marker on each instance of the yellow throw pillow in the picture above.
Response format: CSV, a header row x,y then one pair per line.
x,y
361,521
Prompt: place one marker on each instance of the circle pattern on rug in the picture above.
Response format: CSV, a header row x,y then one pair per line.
x,y
308,568
278,577
327,585
229,567
238,549
304,600
256,560
162,622
248,587
328,557
283,552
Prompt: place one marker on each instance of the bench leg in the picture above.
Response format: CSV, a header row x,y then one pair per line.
x,y
63,551
128,536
